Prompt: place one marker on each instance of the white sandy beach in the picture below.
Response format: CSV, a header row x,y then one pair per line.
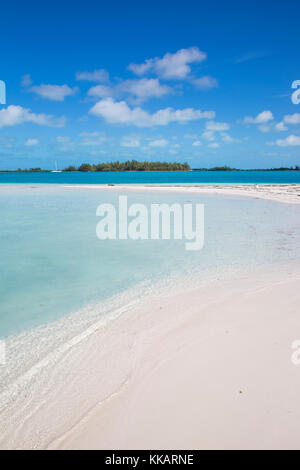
x,y
286,193
210,369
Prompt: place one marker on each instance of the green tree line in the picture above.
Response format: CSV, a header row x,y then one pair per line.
x,y
132,165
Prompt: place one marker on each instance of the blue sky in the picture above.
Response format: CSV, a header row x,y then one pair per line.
x,y
206,83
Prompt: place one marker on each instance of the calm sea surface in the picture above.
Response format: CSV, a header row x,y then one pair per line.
x,y
156,177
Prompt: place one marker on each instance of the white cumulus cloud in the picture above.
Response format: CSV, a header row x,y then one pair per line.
x,y
262,118
53,92
101,91
15,115
171,66
289,119
281,127
290,141
144,88
118,112
139,89
292,119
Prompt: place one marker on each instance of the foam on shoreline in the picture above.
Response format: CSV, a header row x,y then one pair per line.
x,y
285,193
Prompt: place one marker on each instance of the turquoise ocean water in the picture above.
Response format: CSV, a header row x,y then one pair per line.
x,y
52,263
156,177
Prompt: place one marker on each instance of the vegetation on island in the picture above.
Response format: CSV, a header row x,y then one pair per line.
x,y
132,165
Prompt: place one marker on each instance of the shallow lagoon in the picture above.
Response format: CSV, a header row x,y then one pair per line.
x,y
52,263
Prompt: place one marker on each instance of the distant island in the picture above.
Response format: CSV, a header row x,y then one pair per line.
x,y
132,165
135,165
